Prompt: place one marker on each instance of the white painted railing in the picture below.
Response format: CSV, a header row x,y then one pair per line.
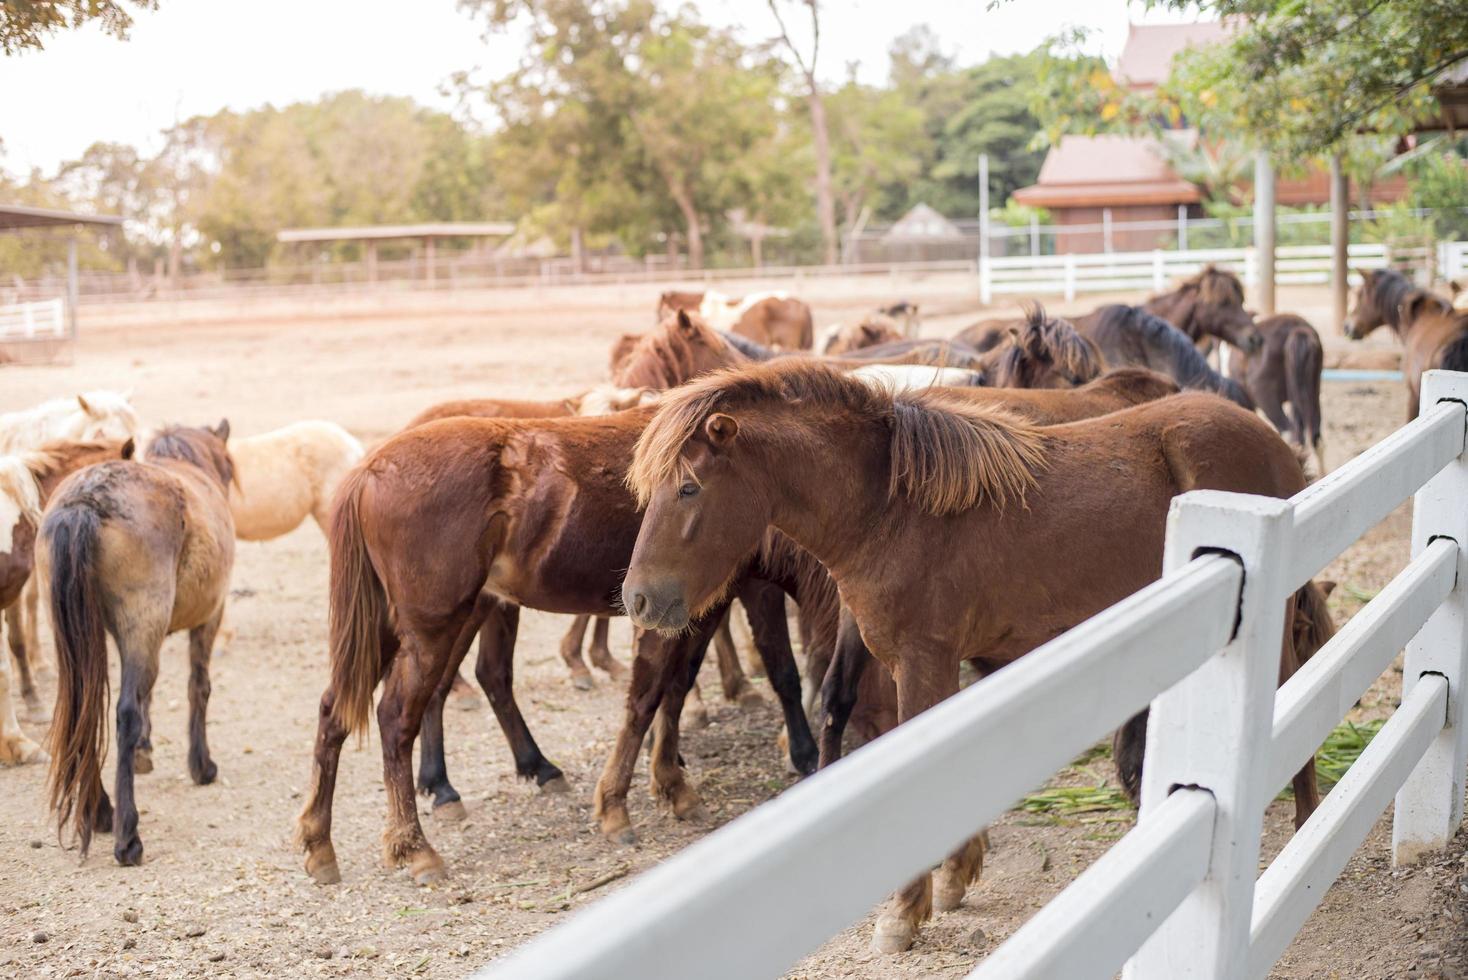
x,y
1155,270
1177,896
45,320
1452,261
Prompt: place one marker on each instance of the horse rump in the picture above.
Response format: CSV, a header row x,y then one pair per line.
x,y
1304,359
77,740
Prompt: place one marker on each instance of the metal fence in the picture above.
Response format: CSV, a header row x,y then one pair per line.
x,y
1178,895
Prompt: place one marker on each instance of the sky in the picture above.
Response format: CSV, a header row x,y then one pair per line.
x,y
193,57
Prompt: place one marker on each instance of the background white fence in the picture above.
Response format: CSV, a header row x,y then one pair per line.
x,y
45,320
1177,896
1155,270
1453,261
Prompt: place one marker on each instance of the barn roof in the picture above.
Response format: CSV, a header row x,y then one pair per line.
x,y
1106,170
1146,60
14,216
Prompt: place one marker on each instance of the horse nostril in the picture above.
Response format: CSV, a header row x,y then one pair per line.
x,y
639,603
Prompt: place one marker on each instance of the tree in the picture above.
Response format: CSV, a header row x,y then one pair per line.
x,y
820,135
27,23
879,140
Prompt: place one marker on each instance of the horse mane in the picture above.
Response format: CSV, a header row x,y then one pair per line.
x,y
1047,340
197,447
662,357
606,399
1388,289
1186,365
752,349
1215,286
946,454
18,483
63,418
57,457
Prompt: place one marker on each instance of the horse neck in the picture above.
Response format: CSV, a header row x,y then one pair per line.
x,y
827,477
1166,306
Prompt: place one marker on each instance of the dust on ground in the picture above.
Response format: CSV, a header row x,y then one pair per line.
x,y
222,891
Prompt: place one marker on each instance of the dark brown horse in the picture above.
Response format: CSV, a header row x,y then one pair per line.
x,y
137,549
1286,371
875,485
1209,305
448,529
1431,331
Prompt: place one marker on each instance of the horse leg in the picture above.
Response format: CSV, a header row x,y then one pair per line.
x,y
698,711
433,771
139,652
654,657
143,755
15,625
15,747
202,769
411,681
736,686
601,653
313,827
1128,747
571,653
764,606
959,870
839,689
496,672
669,779
923,679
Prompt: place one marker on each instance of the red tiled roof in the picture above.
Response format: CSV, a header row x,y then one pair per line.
x,y
1096,171
1146,60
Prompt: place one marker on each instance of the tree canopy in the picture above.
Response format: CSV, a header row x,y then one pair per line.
x,y
27,23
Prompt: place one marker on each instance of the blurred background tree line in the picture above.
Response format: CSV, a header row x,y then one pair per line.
x,y
626,126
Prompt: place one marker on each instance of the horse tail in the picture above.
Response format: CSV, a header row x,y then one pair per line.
x,y
358,609
1455,355
1303,360
77,740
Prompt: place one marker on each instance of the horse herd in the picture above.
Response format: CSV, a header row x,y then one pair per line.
x,y
924,502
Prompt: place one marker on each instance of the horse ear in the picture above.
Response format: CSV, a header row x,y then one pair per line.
x,y
129,449
720,429
685,322
87,406
1326,585
222,430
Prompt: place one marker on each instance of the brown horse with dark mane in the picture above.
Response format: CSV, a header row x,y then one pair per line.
x,y
1433,334
1286,370
773,318
138,549
1209,305
875,485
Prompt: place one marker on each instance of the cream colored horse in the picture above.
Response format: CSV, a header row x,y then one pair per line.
x,y
287,474
20,515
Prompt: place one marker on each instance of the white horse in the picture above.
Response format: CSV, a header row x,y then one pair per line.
x,y
284,475
20,515
95,416
906,377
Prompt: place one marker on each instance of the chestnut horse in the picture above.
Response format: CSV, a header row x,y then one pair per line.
x,y
876,485
869,331
1286,370
1433,334
774,319
449,528
27,480
137,549
1209,305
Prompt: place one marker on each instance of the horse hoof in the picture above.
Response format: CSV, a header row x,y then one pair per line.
x,y
751,699
427,868
21,751
947,895
555,786
451,812
321,866
626,837
697,719
616,671
129,855
582,682
893,935
204,775
694,813
142,761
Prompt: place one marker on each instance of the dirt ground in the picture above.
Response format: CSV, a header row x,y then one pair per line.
x,y
222,891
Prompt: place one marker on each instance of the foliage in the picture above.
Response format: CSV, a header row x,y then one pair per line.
x,y
27,23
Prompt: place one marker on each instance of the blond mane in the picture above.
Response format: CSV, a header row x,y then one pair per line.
x,y
668,355
946,455
18,485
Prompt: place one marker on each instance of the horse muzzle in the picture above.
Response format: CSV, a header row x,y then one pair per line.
x,y
653,608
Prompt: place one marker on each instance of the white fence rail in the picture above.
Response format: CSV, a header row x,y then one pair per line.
x,y
1178,896
45,320
1120,271
1452,261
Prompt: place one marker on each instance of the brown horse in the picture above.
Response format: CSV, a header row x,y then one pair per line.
x,y
1286,370
774,319
869,331
138,549
1209,305
875,485
27,480
450,528
1431,331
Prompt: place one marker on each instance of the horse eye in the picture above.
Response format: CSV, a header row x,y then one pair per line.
x,y
688,490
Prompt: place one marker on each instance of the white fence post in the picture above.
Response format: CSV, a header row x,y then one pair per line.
x,y
986,281
1430,804
1182,227
1159,279
1070,276
1212,729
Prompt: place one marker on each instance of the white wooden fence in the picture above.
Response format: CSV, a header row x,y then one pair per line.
x,y
45,320
1452,261
1068,275
1178,895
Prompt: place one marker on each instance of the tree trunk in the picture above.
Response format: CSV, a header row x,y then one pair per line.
x,y
825,203
693,231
